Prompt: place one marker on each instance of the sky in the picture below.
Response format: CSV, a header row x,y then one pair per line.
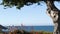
x,y
33,15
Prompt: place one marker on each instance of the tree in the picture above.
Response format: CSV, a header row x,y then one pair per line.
x,y
52,10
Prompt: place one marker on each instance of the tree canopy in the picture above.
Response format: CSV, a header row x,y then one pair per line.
x,y
18,3
21,3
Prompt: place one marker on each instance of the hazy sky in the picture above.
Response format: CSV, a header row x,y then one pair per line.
x,y
28,15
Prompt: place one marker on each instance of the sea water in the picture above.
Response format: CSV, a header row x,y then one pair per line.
x,y
39,28
35,28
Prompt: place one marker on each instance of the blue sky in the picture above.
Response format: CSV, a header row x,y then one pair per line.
x,y
34,15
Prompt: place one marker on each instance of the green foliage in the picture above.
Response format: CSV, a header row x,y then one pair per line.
x,y
18,3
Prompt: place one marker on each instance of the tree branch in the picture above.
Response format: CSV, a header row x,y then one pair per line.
x,y
51,6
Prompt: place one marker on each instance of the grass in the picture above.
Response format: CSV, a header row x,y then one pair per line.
x,y
42,32
31,32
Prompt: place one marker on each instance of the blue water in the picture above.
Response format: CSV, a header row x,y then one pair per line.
x,y
39,28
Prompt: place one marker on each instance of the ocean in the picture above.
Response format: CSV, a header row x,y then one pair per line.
x,y
35,28
38,28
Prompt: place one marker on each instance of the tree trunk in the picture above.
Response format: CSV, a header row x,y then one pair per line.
x,y
54,13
